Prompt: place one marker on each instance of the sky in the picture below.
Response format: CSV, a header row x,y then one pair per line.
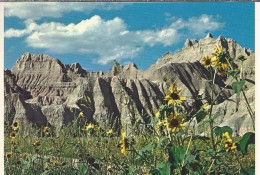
x,y
96,34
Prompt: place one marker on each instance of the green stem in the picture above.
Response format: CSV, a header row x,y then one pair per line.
x,y
210,113
213,161
241,70
251,113
183,161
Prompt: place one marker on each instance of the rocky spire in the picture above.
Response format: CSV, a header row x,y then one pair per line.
x,y
209,35
187,43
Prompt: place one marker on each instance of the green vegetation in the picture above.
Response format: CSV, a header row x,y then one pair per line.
x,y
166,145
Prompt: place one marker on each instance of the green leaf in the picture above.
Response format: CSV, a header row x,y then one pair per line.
x,y
154,172
148,147
200,115
176,155
233,72
241,57
144,152
161,140
164,168
190,158
220,130
248,171
238,86
248,138
83,169
130,170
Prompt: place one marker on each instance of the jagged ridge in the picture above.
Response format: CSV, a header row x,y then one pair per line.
x,y
57,92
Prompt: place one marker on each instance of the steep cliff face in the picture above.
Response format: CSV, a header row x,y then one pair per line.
x,y
11,87
42,75
40,89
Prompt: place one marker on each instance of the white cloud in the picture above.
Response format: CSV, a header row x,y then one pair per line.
x,y
37,10
198,25
108,39
15,33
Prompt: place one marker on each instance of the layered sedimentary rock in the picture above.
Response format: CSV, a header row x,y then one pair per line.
x,y
42,90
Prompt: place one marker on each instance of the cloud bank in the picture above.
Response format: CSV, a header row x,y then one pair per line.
x,y
28,10
109,39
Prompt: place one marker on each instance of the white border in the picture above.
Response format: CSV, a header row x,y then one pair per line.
x,y
2,88
257,86
257,100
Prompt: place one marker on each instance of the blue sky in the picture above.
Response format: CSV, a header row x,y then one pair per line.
x,y
95,34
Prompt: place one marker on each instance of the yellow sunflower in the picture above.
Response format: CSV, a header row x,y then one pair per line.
x,y
206,61
13,135
56,162
173,96
226,134
8,155
81,114
15,126
218,50
222,71
46,165
214,61
160,122
123,143
174,122
229,145
206,106
14,142
90,128
110,132
159,125
224,65
220,59
36,143
46,130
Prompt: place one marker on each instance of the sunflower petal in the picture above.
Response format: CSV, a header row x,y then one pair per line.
x,y
170,102
172,88
182,98
167,97
123,134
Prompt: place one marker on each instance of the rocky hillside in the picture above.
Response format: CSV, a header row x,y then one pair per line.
x,y
41,90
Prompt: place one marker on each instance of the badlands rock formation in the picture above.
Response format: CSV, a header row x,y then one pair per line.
x,y
41,90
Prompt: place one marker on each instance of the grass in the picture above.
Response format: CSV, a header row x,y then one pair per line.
x,y
100,154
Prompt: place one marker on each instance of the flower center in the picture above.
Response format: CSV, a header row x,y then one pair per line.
x,y
229,144
207,62
174,122
175,96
